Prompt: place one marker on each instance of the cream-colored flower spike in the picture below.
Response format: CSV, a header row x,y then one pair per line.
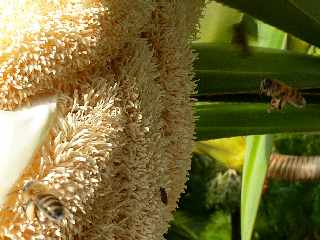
x,y
22,132
125,128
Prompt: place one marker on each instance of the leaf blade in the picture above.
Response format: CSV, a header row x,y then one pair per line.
x,y
221,69
283,13
254,171
218,120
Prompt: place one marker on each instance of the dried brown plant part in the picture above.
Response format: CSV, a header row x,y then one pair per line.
x,y
294,168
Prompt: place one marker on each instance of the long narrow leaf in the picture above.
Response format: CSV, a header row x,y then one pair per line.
x,y
218,120
270,37
298,17
217,22
222,69
297,45
254,171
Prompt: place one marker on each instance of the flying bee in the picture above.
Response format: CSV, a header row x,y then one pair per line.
x,y
39,199
240,38
163,195
281,94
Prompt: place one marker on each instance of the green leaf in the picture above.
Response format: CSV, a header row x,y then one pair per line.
x,y
218,120
254,171
298,17
310,8
297,144
216,23
222,69
297,45
189,226
269,36
218,227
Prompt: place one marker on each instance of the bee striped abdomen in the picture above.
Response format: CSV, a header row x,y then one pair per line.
x,y
51,206
297,99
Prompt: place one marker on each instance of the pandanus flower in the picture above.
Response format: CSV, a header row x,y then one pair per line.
x,y
95,100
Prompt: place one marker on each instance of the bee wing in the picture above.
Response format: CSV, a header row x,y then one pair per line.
x,y
299,103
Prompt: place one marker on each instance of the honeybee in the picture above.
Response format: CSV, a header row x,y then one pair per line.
x,y
163,195
281,94
240,38
39,199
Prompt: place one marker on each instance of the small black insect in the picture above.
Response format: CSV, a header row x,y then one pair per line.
x,y
163,195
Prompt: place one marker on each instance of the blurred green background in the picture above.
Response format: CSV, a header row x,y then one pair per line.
x,y
210,208
287,211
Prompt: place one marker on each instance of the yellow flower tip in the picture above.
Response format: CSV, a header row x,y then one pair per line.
x,y
228,151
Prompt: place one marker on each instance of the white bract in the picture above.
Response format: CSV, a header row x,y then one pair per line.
x,y
22,132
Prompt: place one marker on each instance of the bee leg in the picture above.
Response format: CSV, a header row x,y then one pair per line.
x,y
265,185
31,211
283,102
280,105
270,108
36,212
273,105
276,103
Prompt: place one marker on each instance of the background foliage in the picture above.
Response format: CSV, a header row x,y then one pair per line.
x,y
287,211
228,83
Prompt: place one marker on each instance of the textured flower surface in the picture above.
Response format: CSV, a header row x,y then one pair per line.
x,y
122,74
